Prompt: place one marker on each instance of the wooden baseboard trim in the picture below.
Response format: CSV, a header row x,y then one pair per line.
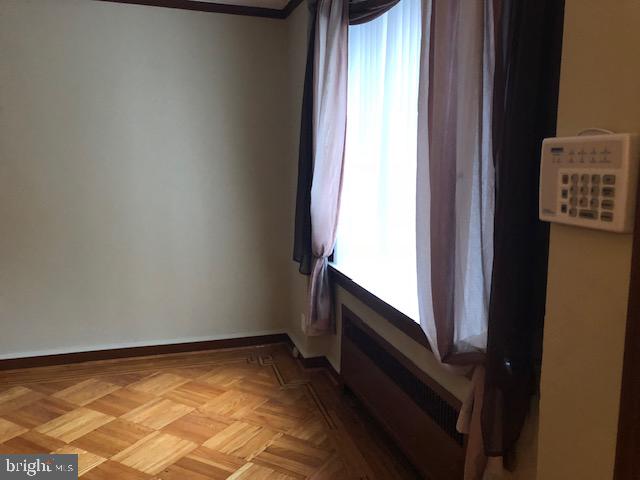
x,y
315,362
111,354
322,363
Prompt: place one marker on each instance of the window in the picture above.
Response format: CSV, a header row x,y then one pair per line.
x,y
376,241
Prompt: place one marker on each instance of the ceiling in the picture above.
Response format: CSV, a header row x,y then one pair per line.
x,y
277,4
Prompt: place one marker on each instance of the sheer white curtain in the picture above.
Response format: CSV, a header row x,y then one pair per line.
x,y
455,203
456,176
329,125
376,233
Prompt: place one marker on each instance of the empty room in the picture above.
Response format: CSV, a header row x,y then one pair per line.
x,y
319,239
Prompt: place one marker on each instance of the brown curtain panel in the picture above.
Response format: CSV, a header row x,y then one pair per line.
x,y
525,107
302,228
363,11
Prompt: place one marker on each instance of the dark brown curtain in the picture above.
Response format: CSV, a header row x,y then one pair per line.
x,y
525,106
360,11
363,11
302,229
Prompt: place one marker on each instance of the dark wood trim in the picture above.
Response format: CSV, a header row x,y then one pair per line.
x,y
217,7
66,358
290,7
398,319
315,362
321,363
627,465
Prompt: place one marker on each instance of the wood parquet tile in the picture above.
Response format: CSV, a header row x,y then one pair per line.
x,y
16,398
30,443
8,430
240,414
233,403
121,401
197,426
242,440
251,471
39,412
74,424
86,460
292,456
112,438
157,413
155,452
203,463
195,393
86,392
110,470
159,383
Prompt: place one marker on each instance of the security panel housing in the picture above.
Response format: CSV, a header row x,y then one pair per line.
x,y
590,181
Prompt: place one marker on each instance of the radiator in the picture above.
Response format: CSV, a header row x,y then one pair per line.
x,y
414,410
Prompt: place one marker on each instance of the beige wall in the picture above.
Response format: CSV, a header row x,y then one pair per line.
x,y
141,190
297,52
589,270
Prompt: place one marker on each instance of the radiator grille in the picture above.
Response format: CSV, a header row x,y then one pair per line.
x,y
442,413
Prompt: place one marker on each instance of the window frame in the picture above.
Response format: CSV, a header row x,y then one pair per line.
x,y
402,322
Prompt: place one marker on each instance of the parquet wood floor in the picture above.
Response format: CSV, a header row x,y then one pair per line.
x,y
251,413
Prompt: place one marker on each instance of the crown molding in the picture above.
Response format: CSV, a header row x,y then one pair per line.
x,y
217,7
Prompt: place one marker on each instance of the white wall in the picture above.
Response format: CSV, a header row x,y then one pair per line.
x,y
141,190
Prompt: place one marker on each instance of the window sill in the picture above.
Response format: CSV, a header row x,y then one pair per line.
x,y
394,316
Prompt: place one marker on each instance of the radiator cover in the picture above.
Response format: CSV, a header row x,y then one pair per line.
x,y
413,409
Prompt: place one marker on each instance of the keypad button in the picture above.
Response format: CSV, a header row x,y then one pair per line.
x,y
573,201
573,212
595,179
594,203
565,179
608,192
606,216
584,178
607,204
584,202
589,214
595,191
573,190
563,208
609,179
565,193
584,190
574,178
